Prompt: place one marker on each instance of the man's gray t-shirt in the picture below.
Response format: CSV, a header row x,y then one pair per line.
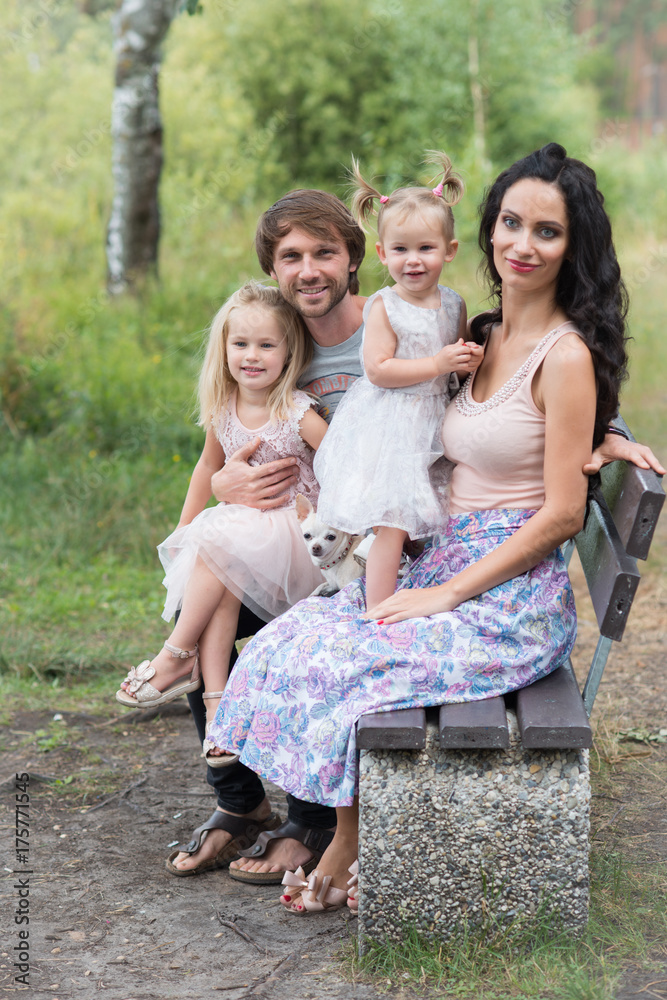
x,y
332,371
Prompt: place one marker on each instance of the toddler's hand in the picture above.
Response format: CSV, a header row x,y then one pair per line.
x,y
453,358
476,357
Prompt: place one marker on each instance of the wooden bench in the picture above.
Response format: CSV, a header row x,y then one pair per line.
x,y
542,729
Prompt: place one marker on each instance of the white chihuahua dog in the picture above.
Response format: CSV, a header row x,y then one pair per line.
x,y
331,550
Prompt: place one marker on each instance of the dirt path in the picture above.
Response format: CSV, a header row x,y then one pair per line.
x,y
106,916
106,919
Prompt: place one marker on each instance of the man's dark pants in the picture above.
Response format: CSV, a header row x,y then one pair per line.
x,y
240,790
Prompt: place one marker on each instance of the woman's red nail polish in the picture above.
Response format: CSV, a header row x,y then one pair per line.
x,y
381,621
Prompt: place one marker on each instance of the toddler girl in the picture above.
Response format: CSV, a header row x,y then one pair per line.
x,y
382,463
223,555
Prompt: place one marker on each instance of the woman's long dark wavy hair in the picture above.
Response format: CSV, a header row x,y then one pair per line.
x,y
590,289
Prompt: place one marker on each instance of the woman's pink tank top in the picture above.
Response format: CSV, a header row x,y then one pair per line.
x,y
498,445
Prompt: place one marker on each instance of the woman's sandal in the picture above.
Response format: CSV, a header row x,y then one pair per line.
x,y
215,760
147,696
296,884
317,894
353,888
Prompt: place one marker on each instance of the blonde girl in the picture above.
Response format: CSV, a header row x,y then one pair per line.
x,y
228,554
382,463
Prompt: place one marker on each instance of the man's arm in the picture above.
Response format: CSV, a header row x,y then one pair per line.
x,y
253,485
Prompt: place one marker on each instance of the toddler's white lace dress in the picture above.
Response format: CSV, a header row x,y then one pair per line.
x,y
381,462
259,555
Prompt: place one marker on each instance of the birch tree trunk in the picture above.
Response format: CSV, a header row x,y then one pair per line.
x,y
476,90
133,234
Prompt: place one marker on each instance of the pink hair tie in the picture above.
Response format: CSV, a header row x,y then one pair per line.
x,y
384,199
437,191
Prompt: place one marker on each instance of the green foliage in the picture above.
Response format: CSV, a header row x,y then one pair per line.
x,y
392,79
633,185
600,68
313,75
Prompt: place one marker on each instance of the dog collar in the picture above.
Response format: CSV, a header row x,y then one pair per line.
x,y
340,557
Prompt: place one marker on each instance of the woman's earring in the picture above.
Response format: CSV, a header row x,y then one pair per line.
x,y
491,240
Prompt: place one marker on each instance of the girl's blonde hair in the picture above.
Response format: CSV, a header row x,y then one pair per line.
x,y
216,383
406,201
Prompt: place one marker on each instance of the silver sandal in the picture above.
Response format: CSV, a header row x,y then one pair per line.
x,y
215,760
147,696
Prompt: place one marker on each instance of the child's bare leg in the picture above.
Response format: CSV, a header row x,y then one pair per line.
x,y
384,558
203,594
216,644
215,648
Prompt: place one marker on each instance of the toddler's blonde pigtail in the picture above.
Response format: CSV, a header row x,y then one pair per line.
x,y
363,195
451,187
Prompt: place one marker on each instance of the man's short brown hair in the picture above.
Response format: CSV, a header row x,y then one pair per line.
x,y
318,214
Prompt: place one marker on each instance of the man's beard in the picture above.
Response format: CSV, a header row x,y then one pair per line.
x,y
335,294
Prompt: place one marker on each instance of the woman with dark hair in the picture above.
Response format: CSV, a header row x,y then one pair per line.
x,y
589,288
488,607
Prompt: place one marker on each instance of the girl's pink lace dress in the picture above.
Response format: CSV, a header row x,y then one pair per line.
x,y
259,555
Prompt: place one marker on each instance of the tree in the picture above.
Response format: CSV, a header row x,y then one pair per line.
x,y
133,233
313,73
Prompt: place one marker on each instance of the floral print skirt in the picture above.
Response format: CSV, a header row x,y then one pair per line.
x,y
294,697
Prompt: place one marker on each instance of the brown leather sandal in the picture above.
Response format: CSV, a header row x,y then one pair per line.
x,y
316,840
244,831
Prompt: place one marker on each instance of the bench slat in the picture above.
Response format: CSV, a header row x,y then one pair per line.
x,y
551,714
611,574
404,729
474,724
635,498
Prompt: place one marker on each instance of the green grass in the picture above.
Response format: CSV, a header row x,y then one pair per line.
x,y
80,582
69,621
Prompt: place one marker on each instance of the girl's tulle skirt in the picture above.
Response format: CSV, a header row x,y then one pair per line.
x,y
297,691
259,555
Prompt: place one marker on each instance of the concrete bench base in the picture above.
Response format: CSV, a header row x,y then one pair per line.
x,y
450,836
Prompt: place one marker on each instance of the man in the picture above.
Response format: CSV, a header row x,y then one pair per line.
x,y
311,245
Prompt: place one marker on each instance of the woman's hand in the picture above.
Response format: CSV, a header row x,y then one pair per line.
x,y
476,355
615,448
415,603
